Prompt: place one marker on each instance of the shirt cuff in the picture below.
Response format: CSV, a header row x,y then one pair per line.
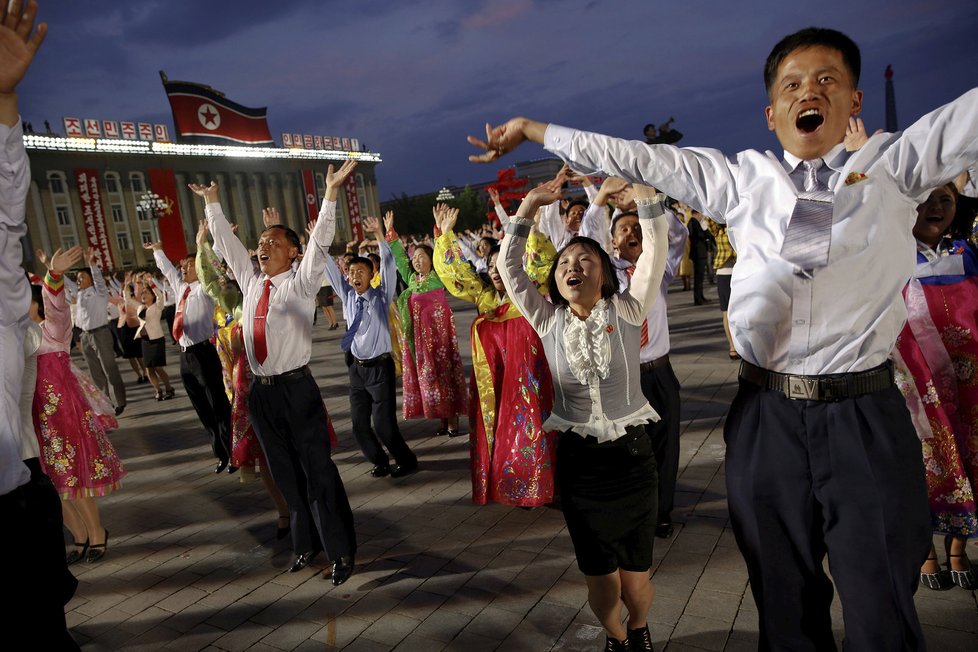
x,y
519,227
556,137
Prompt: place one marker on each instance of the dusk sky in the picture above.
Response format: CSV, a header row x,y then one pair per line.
x,y
411,79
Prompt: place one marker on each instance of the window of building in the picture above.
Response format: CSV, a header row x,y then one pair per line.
x,y
118,215
61,200
123,241
112,184
137,182
64,215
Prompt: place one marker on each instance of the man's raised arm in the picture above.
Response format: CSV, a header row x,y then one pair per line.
x,y
703,178
309,276
234,253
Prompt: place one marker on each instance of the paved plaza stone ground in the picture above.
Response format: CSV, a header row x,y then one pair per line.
x,y
193,563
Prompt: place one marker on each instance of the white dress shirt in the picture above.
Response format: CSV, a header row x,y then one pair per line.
x,y
15,301
292,302
149,317
92,303
846,316
658,320
198,311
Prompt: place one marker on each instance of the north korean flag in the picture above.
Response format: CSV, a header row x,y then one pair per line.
x,y
203,115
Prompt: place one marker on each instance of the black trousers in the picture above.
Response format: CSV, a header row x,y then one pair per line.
x,y
372,394
661,388
200,369
846,478
699,275
290,421
32,550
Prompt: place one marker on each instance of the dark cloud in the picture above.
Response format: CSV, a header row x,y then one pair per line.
x,y
412,78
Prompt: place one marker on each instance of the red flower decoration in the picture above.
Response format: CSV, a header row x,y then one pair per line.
x,y
610,328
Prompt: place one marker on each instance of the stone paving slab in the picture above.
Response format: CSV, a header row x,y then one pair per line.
x,y
193,563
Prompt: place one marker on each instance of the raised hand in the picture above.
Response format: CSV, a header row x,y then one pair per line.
x,y
19,42
309,227
41,257
643,192
388,221
505,138
61,261
202,233
543,195
449,216
270,217
335,178
493,195
234,229
91,255
856,135
209,193
152,246
372,225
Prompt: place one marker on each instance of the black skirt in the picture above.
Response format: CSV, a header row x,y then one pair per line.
x,y
325,296
131,347
154,352
608,496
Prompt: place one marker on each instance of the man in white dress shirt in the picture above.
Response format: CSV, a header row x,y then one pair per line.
x,y
32,563
200,366
822,457
286,406
92,317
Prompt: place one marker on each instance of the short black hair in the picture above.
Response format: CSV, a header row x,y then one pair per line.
x,y
360,260
577,202
492,242
290,235
609,286
811,37
617,217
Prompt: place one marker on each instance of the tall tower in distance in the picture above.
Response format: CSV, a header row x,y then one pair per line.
x,y
891,119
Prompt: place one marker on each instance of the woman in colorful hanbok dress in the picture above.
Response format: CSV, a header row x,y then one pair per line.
x,y
75,452
939,348
433,379
512,455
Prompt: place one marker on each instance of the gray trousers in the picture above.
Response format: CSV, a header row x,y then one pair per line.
x,y
96,346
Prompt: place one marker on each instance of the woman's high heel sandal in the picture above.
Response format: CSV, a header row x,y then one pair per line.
x,y
939,581
169,394
77,555
97,550
159,395
963,578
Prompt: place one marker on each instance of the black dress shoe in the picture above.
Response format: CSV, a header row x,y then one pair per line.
x,y
664,530
303,560
380,470
119,410
401,470
342,569
232,469
221,465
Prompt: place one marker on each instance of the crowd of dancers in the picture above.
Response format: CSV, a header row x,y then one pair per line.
x,y
571,399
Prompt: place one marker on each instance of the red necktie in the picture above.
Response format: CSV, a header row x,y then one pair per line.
x,y
645,322
261,316
178,318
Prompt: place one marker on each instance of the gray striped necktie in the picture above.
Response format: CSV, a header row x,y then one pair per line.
x,y
806,242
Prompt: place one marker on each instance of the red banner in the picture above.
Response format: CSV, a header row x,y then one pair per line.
x,y
90,198
164,184
202,114
353,206
309,194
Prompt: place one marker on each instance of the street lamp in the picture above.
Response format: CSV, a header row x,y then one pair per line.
x,y
153,207
445,195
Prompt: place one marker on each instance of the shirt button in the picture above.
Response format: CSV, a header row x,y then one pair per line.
x,y
799,322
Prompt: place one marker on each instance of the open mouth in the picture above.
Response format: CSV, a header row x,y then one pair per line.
x,y
934,219
633,242
809,120
574,281
263,258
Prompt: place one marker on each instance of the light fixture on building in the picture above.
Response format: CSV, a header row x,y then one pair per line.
x,y
153,207
445,195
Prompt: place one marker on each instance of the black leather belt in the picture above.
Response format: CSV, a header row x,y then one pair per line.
x,y
647,367
832,387
371,362
286,378
184,349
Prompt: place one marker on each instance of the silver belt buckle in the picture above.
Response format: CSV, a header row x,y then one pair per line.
x,y
802,389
